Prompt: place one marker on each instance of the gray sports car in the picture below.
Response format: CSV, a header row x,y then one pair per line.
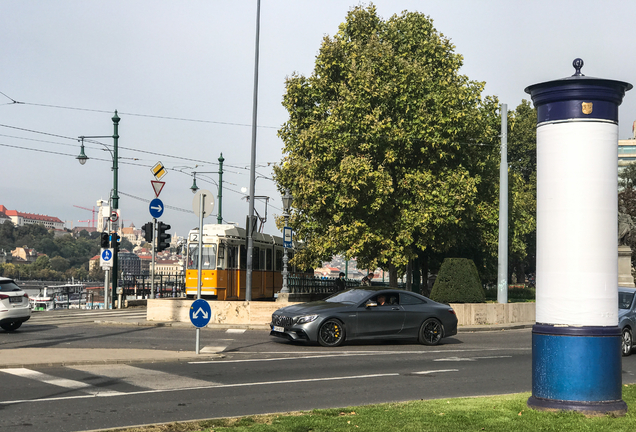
x,y
366,313
627,317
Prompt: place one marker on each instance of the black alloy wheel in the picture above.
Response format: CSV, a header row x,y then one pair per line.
x,y
11,326
331,333
431,332
626,342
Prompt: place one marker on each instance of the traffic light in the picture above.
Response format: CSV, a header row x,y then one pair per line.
x,y
163,238
114,242
147,229
104,240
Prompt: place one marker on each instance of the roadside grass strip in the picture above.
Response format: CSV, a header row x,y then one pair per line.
x,y
506,413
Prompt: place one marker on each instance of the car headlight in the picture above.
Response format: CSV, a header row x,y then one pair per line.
x,y
305,319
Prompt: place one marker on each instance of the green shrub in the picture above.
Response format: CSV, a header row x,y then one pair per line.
x,y
458,282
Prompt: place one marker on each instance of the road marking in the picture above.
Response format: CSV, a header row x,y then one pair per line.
x,y
350,354
237,331
435,371
457,359
208,387
144,378
60,382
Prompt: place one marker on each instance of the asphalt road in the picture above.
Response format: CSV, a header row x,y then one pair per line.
x,y
257,374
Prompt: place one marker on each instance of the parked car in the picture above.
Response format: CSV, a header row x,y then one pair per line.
x,y
627,318
366,313
14,305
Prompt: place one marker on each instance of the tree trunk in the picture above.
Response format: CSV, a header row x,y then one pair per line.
x,y
393,276
409,276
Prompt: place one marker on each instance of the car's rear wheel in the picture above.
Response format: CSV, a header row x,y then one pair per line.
x,y
431,332
627,342
331,333
11,326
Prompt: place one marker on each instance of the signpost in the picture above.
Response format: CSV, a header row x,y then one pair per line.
x,y
287,237
202,205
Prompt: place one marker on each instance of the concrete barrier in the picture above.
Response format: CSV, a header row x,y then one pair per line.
x,y
257,313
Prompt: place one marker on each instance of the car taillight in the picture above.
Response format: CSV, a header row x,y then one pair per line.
x,y
26,295
3,296
452,311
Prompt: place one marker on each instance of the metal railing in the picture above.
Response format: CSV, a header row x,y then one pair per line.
x,y
316,285
166,285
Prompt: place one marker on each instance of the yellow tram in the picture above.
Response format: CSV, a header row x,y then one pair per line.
x,y
224,263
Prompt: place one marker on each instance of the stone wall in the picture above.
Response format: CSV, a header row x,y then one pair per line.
x,y
257,313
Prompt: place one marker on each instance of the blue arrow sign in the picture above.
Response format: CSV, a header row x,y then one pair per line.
x,y
200,313
156,208
107,255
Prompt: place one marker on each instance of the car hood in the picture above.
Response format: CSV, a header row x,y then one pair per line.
x,y
310,308
622,313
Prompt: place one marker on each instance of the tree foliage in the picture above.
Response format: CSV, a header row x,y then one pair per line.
x,y
384,146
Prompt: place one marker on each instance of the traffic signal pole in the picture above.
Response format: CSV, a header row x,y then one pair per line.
x,y
152,270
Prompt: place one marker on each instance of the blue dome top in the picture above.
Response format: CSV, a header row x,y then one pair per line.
x,y
578,97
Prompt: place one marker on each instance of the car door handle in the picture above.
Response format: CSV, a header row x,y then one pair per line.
x,y
395,308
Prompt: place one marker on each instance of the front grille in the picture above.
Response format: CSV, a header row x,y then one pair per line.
x,y
282,321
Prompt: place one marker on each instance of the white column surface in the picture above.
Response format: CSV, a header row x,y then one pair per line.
x,y
577,258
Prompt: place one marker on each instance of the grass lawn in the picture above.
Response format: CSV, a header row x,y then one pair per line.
x,y
506,413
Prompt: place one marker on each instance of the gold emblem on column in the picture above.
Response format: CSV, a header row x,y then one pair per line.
x,y
587,107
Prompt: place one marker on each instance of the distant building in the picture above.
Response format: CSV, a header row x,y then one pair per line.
x,y
21,219
24,255
129,263
626,152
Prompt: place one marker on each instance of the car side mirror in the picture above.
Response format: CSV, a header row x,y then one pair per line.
x,y
371,303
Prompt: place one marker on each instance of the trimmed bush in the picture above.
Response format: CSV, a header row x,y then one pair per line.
x,y
458,282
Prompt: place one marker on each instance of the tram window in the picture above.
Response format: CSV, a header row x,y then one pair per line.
x,y
221,255
232,261
208,259
279,259
256,264
243,253
269,259
262,260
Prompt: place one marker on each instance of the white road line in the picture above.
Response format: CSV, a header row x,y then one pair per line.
x,y
349,354
144,378
60,382
470,359
237,331
214,386
435,371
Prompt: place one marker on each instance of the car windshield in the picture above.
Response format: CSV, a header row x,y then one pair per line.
x,y
625,299
6,286
349,296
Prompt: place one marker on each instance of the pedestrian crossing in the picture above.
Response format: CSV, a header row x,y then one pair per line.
x,y
83,316
98,380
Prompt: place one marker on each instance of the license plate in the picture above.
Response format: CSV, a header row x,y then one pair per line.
x,y
15,299
279,329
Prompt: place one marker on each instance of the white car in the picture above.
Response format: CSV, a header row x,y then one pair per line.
x,y
14,305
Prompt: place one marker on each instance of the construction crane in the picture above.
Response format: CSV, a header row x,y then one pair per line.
x,y
93,220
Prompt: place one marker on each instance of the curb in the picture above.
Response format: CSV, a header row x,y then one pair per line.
x,y
108,362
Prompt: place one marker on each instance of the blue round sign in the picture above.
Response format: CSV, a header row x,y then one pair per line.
x,y
156,208
107,254
200,313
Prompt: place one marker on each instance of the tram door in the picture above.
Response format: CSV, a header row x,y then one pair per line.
x,y
232,272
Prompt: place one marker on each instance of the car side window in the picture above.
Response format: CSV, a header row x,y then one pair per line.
x,y
407,299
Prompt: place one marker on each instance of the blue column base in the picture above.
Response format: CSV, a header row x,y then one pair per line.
x,y
577,369
616,408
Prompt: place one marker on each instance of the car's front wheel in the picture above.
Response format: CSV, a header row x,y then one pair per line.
x,y
627,342
11,326
431,332
331,333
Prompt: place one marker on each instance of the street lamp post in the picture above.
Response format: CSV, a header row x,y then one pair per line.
x,y
82,158
287,200
194,188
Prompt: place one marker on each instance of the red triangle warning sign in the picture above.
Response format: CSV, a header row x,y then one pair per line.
x,y
157,186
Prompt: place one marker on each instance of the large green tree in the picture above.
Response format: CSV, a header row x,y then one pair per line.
x,y
387,145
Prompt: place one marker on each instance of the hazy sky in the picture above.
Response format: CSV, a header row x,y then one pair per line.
x,y
180,73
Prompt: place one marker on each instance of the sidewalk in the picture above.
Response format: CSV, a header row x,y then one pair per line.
x,y
31,357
